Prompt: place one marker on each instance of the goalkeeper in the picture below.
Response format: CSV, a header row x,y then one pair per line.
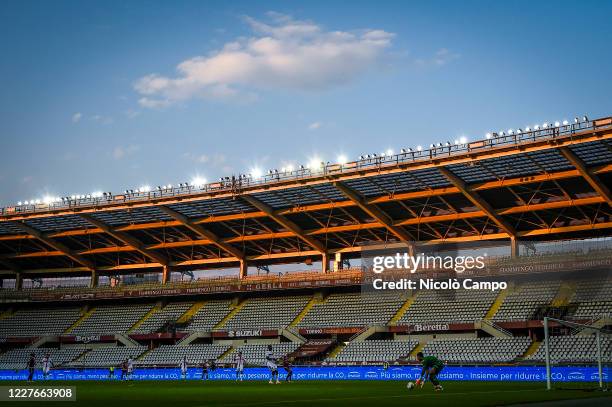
x,y
432,366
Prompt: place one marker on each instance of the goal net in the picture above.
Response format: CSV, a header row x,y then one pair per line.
x,y
577,355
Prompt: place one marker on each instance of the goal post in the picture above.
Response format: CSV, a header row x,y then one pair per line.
x,y
577,353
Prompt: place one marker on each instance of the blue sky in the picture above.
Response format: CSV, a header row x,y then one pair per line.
x,y
114,95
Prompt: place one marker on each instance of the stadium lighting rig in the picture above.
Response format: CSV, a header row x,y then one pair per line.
x,y
536,127
317,165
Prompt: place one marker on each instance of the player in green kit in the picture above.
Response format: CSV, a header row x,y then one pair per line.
x,y
432,366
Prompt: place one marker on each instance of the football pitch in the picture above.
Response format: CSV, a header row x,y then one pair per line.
x,y
307,393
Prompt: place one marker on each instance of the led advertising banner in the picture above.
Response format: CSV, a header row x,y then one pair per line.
x,y
460,373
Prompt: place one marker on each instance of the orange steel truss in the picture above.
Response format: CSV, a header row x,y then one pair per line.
x,y
572,202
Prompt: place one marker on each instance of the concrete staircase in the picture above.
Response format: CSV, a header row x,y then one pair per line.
x,y
143,355
227,352
492,329
231,314
367,332
152,311
402,310
188,315
417,349
42,340
192,337
316,299
497,303
126,340
533,348
339,348
594,325
565,294
6,313
85,313
292,334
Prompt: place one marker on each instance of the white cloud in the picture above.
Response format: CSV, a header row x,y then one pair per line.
x,y
130,113
314,126
102,119
215,160
120,152
442,57
284,53
76,117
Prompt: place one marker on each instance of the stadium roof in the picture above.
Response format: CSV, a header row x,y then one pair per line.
x,y
547,183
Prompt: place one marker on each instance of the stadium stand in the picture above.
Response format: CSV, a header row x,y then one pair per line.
x,y
573,349
373,351
255,354
17,358
267,312
111,319
594,299
353,309
38,322
170,313
211,313
521,304
478,350
453,306
109,356
173,354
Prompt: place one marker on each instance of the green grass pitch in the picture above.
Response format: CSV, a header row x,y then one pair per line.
x,y
307,393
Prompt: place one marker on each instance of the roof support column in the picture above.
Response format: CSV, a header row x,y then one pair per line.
x,y
244,267
324,263
18,281
93,283
514,247
338,262
165,274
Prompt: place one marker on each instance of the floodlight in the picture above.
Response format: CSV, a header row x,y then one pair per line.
x,y
565,122
342,159
419,148
557,124
256,172
585,119
488,135
463,139
389,152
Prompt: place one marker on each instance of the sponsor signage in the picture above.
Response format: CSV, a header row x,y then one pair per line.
x,y
338,330
455,373
45,295
245,333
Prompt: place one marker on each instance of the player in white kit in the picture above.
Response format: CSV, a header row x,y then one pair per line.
x,y
130,368
184,368
46,365
239,361
271,363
